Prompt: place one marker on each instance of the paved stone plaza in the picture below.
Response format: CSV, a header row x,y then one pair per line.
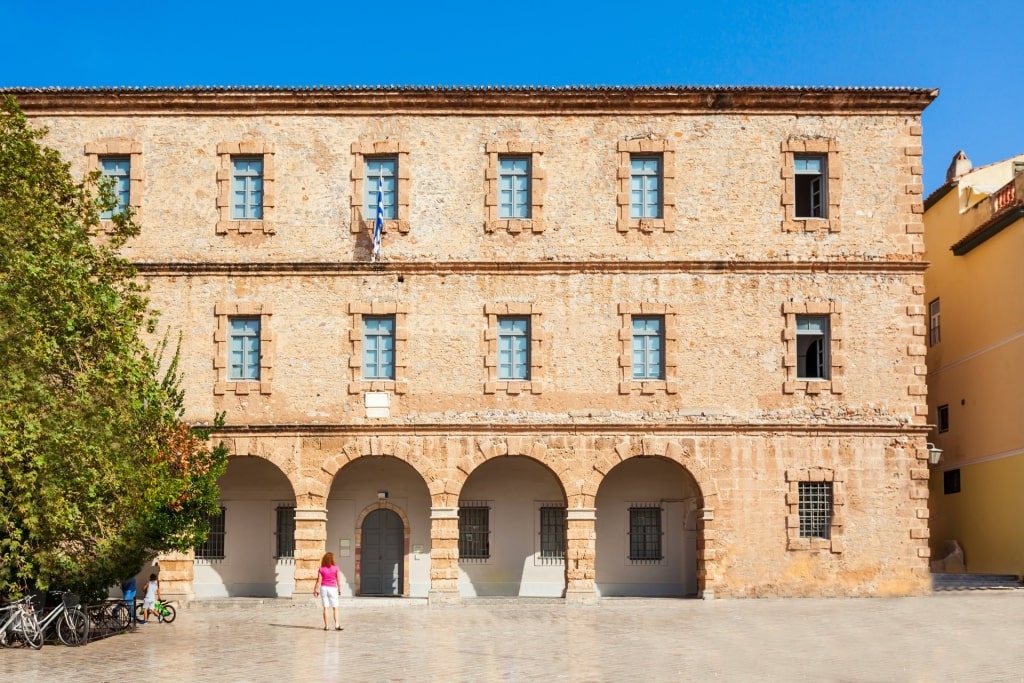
x,y
947,637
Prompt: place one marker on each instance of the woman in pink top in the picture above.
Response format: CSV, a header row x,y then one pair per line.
x,y
327,587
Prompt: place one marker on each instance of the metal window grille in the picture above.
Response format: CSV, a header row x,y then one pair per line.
x,y
648,347
552,533
514,348
809,180
381,178
514,187
213,549
474,530
246,188
645,187
815,508
812,346
934,327
118,169
244,348
645,534
378,347
285,531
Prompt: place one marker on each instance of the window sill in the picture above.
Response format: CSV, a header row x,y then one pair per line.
x,y
813,387
512,387
241,388
514,226
245,227
390,225
646,225
649,387
811,225
391,385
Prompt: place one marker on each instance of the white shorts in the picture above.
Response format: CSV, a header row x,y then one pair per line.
x,y
329,596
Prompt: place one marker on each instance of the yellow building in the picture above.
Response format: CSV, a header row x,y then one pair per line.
x,y
974,235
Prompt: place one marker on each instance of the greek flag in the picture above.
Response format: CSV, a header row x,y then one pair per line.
x,y
378,224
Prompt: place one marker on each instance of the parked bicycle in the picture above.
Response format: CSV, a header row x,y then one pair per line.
x,y
29,622
18,625
164,608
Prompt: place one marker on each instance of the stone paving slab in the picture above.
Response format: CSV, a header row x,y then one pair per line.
x,y
972,637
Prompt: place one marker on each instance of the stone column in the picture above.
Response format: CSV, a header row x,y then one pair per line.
x,y
444,554
310,544
176,575
707,575
580,554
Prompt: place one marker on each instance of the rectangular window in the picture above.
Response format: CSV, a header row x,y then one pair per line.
x,y
381,176
645,187
951,481
246,188
244,349
942,418
809,187
812,347
934,329
118,169
514,348
552,532
645,534
379,347
648,347
474,530
213,548
285,532
514,187
815,509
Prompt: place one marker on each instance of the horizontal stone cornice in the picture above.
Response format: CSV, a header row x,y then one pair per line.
x,y
341,268
391,100
539,430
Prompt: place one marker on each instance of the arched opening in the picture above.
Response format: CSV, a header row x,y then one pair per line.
x,y
362,488
646,528
512,517
251,548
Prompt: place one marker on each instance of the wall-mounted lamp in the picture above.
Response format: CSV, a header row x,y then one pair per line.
x,y
384,494
934,454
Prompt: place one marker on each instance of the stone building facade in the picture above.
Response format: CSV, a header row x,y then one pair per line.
x,y
621,341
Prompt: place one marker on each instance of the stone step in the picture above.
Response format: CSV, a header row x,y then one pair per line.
x,y
971,581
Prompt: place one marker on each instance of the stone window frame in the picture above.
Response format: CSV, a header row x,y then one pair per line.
x,y
226,151
398,385
829,149
403,179
837,360
670,384
224,311
646,146
794,541
513,387
120,147
538,185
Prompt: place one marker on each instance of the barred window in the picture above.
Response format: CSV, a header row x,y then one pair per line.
x,y
285,531
213,549
815,508
552,532
474,530
645,534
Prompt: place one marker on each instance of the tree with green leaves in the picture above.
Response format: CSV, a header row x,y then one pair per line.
x,y
98,471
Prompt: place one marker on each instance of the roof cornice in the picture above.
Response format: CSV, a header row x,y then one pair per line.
x,y
392,100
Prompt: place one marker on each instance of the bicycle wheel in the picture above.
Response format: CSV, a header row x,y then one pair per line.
x,y
121,617
140,612
171,613
72,628
29,631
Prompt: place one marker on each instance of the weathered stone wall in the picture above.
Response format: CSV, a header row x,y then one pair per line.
x,y
724,265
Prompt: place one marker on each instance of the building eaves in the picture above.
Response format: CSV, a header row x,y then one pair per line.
x,y
1005,218
383,99
939,193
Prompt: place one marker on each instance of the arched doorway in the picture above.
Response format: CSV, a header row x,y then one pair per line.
x,y
382,554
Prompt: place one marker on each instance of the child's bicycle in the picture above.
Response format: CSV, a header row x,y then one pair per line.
x,y
164,609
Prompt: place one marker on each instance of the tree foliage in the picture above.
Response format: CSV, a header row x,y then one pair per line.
x,y
98,473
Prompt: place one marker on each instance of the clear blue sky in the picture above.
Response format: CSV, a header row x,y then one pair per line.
x,y
972,51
